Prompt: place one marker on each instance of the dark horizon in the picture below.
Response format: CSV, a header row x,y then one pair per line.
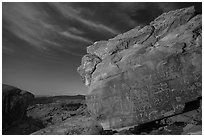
x,y
43,43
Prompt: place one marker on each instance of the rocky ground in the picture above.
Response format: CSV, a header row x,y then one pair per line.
x,y
52,111
186,123
63,116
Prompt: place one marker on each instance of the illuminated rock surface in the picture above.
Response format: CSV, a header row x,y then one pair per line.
x,y
147,73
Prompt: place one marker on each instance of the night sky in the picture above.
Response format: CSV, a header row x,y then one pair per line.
x,y
43,43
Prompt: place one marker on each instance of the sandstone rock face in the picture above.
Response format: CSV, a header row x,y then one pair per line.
x,y
14,105
146,73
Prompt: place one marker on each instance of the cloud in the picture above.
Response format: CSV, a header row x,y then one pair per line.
x,y
73,26
72,13
31,23
72,36
70,32
7,50
75,31
23,21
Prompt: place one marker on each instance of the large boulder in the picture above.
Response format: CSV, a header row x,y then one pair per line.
x,y
14,105
147,73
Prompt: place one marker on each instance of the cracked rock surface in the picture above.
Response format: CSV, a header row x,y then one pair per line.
x,y
147,73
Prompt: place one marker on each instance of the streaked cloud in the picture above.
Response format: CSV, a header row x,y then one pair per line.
x,y
22,21
72,13
72,36
73,26
7,50
75,31
29,22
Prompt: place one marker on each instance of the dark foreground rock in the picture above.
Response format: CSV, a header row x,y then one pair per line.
x,y
147,73
24,127
14,108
